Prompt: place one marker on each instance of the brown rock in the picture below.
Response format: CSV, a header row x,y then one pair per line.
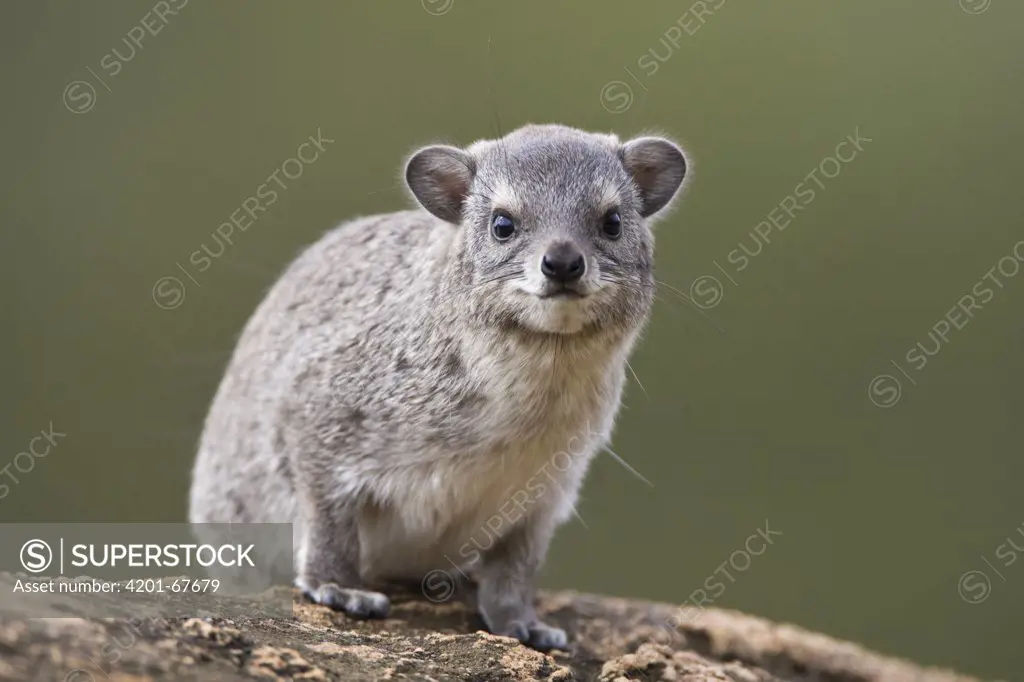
x,y
614,640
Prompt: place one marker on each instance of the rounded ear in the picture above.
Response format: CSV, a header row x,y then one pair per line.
x,y
657,167
440,177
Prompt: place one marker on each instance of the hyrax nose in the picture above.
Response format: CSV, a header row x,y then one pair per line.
x,y
563,263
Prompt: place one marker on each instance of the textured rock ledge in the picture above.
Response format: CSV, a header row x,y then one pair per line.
x,y
614,639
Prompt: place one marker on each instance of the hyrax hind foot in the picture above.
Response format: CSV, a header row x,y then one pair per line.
x,y
355,602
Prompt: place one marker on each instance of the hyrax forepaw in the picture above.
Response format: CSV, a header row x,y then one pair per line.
x,y
545,638
537,635
354,602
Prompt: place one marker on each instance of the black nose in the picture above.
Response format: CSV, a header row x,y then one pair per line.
x,y
563,262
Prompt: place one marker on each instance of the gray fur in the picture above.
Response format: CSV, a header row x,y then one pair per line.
x,y
405,376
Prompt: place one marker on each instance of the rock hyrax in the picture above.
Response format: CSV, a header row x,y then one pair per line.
x,y
411,372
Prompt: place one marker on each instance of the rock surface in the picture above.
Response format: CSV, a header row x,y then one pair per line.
x,y
614,640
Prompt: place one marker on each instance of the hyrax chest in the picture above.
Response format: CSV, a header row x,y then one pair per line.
x,y
533,434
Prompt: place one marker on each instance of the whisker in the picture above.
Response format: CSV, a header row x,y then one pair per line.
x,y
689,300
628,468
494,111
501,277
575,512
622,185
477,178
633,372
611,276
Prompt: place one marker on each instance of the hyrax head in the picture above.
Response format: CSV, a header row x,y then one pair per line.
x,y
556,224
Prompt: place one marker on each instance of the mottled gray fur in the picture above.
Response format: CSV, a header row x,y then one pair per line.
x,y
409,372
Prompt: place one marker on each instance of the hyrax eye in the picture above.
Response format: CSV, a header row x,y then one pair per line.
x,y
612,227
502,227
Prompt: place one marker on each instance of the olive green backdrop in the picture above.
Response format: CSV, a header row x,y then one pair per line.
x,y
760,406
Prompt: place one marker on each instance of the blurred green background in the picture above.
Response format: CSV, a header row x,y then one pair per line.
x,y
756,408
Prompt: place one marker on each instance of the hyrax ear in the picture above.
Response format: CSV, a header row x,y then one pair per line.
x,y
657,167
440,177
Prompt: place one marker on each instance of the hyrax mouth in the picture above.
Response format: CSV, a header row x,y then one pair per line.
x,y
562,294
